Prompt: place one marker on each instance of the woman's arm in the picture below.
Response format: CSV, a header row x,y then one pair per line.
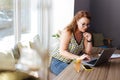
x,y
64,43
88,42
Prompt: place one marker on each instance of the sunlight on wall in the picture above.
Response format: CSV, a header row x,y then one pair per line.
x,y
62,12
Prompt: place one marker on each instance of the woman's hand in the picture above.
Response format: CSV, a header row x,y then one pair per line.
x,y
84,57
87,42
87,36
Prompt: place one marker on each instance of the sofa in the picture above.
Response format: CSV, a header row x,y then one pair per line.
x,y
12,57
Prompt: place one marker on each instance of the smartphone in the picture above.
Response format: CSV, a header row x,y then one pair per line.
x,y
86,67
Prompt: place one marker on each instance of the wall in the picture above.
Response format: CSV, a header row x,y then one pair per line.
x,y
62,14
81,5
105,17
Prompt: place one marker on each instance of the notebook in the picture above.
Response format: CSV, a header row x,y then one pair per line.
x,y
103,58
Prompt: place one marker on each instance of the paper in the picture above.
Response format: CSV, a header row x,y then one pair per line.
x,y
115,56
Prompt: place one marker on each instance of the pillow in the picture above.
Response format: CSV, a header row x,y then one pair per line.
x,y
98,39
36,44
29,60
7,60
17,48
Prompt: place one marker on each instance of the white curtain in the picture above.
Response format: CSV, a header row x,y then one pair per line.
x,y
44,23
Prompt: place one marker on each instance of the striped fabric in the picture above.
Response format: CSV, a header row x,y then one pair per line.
x,y
73,48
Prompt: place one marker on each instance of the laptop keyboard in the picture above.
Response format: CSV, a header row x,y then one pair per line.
x,y
92,61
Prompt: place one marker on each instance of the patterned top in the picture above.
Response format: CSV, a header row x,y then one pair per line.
x,y
73,48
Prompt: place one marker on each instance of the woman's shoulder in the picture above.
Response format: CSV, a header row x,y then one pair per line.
x,y
66,34
66,31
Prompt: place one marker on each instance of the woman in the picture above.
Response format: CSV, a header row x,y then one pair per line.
x,y
75,43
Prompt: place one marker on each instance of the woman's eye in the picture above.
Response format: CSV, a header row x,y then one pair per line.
x,y
83,24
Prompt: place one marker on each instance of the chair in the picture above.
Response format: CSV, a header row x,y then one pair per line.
x,y
100,41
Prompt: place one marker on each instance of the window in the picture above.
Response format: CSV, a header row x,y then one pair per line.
x,y
6,24
20,20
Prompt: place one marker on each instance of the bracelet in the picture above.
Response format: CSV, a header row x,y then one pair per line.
x,y
89,40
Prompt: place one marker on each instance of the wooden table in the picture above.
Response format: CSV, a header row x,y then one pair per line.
x,y
109,71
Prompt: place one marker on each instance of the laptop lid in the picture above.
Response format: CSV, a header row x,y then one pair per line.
x,y
103,58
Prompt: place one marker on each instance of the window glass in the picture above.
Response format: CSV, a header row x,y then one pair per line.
x,y
17,17
28,19
6,23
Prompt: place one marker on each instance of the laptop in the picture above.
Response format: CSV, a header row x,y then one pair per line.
x,y
103,58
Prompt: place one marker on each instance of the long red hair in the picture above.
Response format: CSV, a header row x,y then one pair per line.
x,y
73,25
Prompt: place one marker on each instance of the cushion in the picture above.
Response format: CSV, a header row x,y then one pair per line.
x,y
7,61
29,60
98,39
36,44
29,57
17,48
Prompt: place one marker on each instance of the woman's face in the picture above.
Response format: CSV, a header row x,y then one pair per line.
x,y
83,24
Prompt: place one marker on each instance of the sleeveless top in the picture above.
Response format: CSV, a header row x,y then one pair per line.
x,y
73,48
